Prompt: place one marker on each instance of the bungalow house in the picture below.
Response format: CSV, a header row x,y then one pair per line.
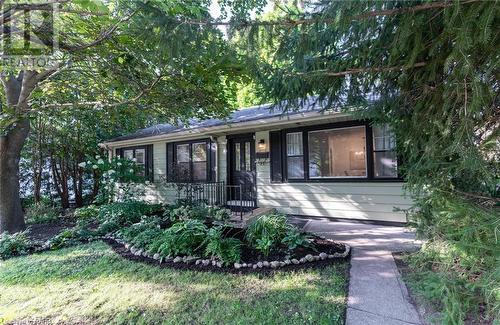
x,y
309,161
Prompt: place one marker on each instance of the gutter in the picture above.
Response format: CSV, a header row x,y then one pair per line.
x,y
230,127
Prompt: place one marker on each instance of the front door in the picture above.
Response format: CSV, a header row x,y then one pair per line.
x,y
242,175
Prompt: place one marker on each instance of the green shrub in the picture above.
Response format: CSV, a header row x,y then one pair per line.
x,y
42,212
13,244
457,269
198,211
294,239
116,215
183,238
267,232
228,250
88,212
142,234
72,236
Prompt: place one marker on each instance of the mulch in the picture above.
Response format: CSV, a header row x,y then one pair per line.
x,y
45,231
322,246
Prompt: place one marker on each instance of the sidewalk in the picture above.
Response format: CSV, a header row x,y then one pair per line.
x,y
377,295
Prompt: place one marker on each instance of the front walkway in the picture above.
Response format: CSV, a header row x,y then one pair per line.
x,y
377,295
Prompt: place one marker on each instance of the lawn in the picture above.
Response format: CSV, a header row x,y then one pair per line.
x,y
90,284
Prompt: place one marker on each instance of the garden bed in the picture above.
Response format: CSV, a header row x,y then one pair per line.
x,y
326,252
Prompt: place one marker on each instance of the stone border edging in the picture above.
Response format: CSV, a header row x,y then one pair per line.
x,y
309,258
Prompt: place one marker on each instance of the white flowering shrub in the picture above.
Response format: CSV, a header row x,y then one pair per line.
x,y
116,176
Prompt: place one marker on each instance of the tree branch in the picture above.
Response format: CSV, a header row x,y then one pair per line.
x,y
310,21
100,103
361,70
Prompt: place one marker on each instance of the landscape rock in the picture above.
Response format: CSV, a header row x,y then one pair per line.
x,y
219,264
295,261
316,257
265,264
138,253
198,262
287,262
244,265
274,264
259,265
323,256
331,256
309,258
302,260
254,266
177,259
205,262
156,256
237,265
281,264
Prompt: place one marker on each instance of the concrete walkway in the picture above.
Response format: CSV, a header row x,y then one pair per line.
x,y
377,295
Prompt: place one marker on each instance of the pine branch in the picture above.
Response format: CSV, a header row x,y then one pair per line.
x,y
100,103
361,70
311,21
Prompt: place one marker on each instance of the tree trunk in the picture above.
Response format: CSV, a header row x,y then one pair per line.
x,y
60,178
11,144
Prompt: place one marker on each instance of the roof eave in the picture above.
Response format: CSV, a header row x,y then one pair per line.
x,y
230,127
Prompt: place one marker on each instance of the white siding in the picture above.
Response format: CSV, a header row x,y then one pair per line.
x,y
356,200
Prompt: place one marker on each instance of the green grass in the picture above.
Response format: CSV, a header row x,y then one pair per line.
x,y
91,284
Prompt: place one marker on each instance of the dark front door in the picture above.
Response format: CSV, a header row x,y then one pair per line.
x,y
242,176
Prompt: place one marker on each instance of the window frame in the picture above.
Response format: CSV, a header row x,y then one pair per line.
x,y
148,158
369,154
374,151
208,162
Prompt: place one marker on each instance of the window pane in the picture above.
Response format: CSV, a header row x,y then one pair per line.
x,y
386,164
182,153
337,153
140,156
199,152
237,157
295,167
182,169
248,165
294,144
200,171
128,154
383,138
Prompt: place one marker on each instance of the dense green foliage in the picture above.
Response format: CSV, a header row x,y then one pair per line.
x,y
87,212
13,244
270,232
90,284
429,70
181,211
458,268
41,212
183,238
226,249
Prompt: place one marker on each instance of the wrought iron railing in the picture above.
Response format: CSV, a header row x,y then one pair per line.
x,y
238,198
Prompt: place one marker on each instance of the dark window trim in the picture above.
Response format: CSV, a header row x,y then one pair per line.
x,y
337,125
148,159
210,163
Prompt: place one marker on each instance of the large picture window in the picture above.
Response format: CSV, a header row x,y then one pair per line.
x,y
191,162
343,151
337,153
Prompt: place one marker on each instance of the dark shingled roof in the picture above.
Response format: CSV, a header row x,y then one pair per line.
x,y
239,116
